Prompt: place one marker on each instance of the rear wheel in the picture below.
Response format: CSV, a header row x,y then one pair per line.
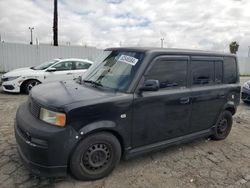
x,y
246,102
223,126
95,156
29,85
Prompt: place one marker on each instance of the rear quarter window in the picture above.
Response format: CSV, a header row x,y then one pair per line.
x,y
230,70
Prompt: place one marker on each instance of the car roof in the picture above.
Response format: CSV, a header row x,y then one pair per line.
x,y
175,51
75,59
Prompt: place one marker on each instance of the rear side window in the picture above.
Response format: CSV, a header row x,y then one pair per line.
x,y
202,72
170,73
82,65
230,70
64,66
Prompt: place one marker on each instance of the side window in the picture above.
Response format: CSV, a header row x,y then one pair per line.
x,y
169,73
81,65
230,70
202,72
218,77
63,66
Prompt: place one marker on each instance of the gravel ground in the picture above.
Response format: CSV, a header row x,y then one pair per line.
x,y
201,163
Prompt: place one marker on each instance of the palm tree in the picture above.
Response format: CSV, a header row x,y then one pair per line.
x,y
233,47
55,24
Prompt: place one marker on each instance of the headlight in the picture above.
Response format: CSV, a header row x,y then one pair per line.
x,y
11,78
51,117
246,85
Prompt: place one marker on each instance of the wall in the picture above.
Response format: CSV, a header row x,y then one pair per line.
x,y
244,65
14,55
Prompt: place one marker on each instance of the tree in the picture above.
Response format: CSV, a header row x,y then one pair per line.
x,y
55,24
233,47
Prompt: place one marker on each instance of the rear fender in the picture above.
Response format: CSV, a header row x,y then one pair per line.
x,y
230,106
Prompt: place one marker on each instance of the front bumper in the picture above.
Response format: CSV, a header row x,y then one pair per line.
x,y
245,95
11,86
45,149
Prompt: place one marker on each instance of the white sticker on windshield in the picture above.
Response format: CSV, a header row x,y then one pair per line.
x,y
128,59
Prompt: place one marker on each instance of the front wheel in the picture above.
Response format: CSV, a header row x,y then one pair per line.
x,y
223,126
95,157
29,85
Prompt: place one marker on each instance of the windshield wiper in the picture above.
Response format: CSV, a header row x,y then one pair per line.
x,y
93,83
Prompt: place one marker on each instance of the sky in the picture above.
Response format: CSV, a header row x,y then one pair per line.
x,y
192,24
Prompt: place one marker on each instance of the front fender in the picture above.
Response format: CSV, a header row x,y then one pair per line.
x,y
108,126
100,125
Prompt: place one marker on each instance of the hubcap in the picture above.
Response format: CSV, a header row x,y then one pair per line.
x,y
96,157
32,84
222,126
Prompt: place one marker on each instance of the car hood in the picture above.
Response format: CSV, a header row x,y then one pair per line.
x,y
57,95
27,71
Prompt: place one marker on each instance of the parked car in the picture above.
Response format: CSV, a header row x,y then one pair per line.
x,y
136,101
245,93
24,79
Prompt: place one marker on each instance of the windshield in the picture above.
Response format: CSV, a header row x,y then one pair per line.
x,y
116,70
44,65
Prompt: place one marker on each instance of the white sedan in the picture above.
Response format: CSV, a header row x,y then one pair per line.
x,y
24,79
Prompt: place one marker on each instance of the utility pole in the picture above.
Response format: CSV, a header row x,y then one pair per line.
x,y
55,24
31,35
162,39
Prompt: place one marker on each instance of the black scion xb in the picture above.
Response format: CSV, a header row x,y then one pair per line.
x,y
134,101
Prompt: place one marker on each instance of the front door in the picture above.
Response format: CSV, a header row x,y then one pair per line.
x,y
163,114
63,72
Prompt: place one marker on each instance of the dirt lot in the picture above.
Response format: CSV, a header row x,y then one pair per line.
x,y
201,163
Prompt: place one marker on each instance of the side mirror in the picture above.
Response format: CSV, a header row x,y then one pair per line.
x,y
52,69
150,85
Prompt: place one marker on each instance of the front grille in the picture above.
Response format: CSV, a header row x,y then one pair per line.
x,y
34,107
9,87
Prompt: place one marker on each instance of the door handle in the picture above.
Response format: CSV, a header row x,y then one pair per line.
x,y
184,100
69,73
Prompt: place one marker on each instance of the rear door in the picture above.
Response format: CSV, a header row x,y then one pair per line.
x,y
208,92
80,67
163,114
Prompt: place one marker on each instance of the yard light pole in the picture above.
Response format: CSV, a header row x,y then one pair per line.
x,y
31,35
248,51
162,39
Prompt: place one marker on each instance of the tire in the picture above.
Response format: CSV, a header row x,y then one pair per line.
x,y
223,126
246,102
95,156
29,85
